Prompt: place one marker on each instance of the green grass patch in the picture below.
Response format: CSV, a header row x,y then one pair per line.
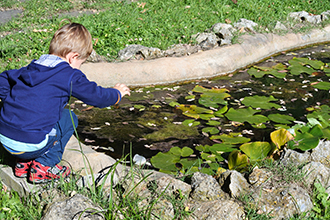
x,y
114,25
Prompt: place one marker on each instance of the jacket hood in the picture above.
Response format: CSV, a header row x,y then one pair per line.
x,y
34,74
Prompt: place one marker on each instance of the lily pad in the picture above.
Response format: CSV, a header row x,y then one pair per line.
x,y
193,110
256,150
262,102
256,73
222,148
237,160
322,85
298,69
210,130
230,139
279,118
280,137
245,115
316,64
190,122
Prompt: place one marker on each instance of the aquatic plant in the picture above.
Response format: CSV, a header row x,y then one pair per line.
x,y
237,149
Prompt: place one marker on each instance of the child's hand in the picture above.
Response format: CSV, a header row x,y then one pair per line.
x,y
123,89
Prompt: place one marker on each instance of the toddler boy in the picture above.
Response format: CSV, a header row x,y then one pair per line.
x,y
34,125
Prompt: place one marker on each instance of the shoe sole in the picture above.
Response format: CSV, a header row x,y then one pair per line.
x,y
37,181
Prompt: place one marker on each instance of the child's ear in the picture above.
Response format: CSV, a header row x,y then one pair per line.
x,y
71,56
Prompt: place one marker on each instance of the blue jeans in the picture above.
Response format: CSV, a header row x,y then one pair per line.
x,y
51,154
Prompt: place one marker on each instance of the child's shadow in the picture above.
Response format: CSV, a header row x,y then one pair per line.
x,y
6,158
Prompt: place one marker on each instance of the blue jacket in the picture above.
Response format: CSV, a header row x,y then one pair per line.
x,y
34,97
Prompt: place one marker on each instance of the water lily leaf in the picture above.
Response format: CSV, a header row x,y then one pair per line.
x,y
190,122
228,139
305,141
190,97
316,64
278,67
205,148
207,170
165,161
212,101
188,163
298,69
237,160
176,151
186,151
262,102
222,148
323,114
322,85
222,111
201,89
214,157
256,150
279,118
245,115
277,74
280,137
140,107
193,110
317,131
210,130
213,123
173,104
326,133
206,117
256,73
212,97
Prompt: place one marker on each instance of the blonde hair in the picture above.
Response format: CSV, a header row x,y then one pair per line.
x,y
72,37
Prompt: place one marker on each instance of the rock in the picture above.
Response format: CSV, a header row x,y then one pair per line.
x,y
216,210
325,15
322,153
172,186
205,188
282,202
304,16
179,50
100,164
95,58
280,27
298,16
294,157
315,171
234,183
245,25
76,207
207,41
162,209
131,51
259,176
137,181
224,31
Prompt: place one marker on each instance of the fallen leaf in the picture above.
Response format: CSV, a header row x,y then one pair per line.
x,y
227,20
234,1
89,108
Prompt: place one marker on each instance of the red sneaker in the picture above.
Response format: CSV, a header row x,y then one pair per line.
x,y
22,168
42,174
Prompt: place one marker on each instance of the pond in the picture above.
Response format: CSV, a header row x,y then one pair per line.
x,y
157,118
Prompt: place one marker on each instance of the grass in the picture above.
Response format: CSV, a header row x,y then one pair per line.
x,y
151,23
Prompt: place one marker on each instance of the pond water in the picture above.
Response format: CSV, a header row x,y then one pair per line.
x,y
147,122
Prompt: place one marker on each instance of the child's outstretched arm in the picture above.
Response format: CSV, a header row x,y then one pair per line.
x,y
123,89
